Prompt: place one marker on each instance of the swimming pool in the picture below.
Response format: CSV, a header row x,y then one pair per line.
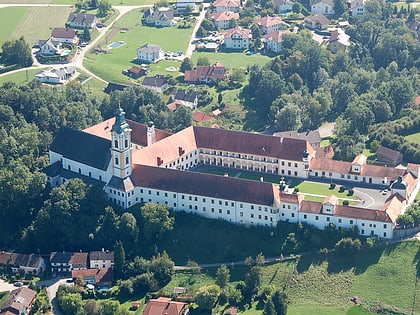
x,y
116,45
65,52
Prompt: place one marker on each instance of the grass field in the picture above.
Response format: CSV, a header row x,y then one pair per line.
x,y
20,77
3,296
9,21
232,59
322,189
415,137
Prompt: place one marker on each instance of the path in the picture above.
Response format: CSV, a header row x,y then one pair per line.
x,y
200,19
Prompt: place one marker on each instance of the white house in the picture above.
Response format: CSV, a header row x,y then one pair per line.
x,y
51,47
283,6
65,262
139,164
227,5
160,17
81,20
149,53
32,264
65,35
237,38
269,24
325,7
101,259
222,20
357,7
184,6
186,98
338,41
317,21
273,41
56,75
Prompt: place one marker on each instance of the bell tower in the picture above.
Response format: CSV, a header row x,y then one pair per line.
x,y
121,146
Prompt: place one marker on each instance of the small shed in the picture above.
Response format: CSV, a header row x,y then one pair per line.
x,y
389,156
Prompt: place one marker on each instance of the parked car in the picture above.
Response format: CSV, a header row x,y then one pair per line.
x,y
385,191
18,284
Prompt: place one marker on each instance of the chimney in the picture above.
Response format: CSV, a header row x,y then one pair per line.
x,y
159,161
151,134
181,151
103,249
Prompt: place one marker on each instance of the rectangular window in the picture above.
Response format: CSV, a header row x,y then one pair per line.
x,y
317,218
351,221
339,220
305,216
293,215
220,210
259,216
228,211
252,207
220,202
189,198
328,219
384,226
252,215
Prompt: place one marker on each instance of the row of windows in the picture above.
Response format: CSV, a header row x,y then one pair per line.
x,y
127,161
80,172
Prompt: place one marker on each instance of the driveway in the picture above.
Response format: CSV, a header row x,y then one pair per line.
x,y
52,287
5,286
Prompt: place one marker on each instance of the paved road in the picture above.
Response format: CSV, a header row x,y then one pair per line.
x,y
200,18
52,287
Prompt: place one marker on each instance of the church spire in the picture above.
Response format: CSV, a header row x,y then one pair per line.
x,y
121,145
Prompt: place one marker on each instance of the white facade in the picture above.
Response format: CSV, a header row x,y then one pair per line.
x,y
323,7
237,41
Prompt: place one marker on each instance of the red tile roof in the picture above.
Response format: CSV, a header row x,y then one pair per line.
x,y
227,3
64,33
164,306
276,36
205,73
225,16
244,32
201,117
101,275
268,21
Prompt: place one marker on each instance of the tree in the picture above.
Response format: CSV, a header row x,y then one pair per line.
x,y
109,307
86,34
71,304
222,276
340,6
280,302
162,268
119,259
347,246
103,8
269,308
237,75
181,119
207,296
156,219
288,118
296,8
186,64
252,281
128,229
203,61
405,220
16,52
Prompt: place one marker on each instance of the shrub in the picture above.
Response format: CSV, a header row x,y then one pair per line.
x,y
296,190
346,202
332,186
351,192
342,189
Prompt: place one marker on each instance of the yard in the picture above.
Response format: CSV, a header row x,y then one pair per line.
x,y
232,59
20,77
415,138
9,21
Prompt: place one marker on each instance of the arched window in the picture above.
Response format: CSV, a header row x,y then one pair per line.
x,y
116,161
80,171
69,167
126,143
116,144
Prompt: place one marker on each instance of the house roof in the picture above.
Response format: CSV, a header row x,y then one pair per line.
x,y
315,207
187,96
317,19
101,255
268,21
164,306
227,3
63,33
115,87
276,36
174,105
79,260
216,71
243,32
137,70
7,258
91,150
360,159
338,35
387,155
201,117
393,206
225,16
18,301
138,131
312,136
155,82
330,2
60,257
101,275
324,152
205,185
123,184
149,48
357,3
81,18
30,261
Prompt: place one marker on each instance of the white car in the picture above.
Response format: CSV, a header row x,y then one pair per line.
x,y
385,191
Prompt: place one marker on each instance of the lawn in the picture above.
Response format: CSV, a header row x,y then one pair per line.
x,y
232,59
415,137
3,296
109,66
322,189
9,21
20,77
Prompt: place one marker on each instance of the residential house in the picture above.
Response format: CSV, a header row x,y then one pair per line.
x,y
223,19
237,38
101,259
33,264
187,6
96,276
325,7
317,22
115,87
51,47
149,53
135,72
65,262
338,41
357,7
312,136
135,164
81,20
173,106
165,306
56,75
414,26
283,6
199,117
158,83
65,35
18,302
273,41
389,156
227,5
186,98
269,24
159,17
205,74
79,261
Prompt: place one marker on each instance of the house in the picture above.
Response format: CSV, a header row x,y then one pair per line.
x,y
312,136
81,20
159,17
96,276
65,262
273,41
135,72
269,24
186,98
223,19
187,6
283,6
111,87
237,38
338,41
101,259
173,106
135,164
149,53
32,264
56,75
325,7
199,117
227,5
414,26
165,306
51,47
357,7
65,35
389,156
19,301
317,22
205,74
158,83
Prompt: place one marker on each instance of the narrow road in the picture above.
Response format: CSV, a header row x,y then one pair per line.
x,y
200,19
